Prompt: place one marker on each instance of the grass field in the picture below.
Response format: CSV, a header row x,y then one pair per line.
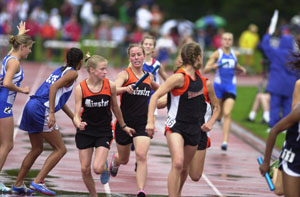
x,y
244,101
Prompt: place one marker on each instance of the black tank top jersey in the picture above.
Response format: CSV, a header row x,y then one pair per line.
x,y
96,110
135,106
291,150
187,104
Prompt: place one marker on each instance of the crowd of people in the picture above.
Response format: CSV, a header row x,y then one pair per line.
x,y
194,103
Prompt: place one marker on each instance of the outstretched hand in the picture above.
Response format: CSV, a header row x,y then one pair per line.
x,y
22,28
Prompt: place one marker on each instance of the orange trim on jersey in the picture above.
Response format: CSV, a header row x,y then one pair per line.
x,y
208,144
132,78
167,129
87,92
205,92
180,91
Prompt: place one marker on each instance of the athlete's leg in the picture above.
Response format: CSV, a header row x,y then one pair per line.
x,y
255,107
227,109
85,156
176,147
291,185
197,165
36,140
100,158
6,138
189,152
220,100
141,144
122,157
59,150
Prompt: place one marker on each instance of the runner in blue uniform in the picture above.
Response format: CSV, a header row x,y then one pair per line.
x,y
11,76
290,154
225,62
38,120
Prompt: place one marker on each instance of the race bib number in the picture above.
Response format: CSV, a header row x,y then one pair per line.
x,y
288,156
7,110
170,122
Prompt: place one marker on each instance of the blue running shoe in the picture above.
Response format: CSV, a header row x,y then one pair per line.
x,y
104,177
21,190
41,187
3,188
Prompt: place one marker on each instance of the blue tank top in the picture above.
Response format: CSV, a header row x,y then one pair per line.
x,y
7,96
149,68
225,72
62,94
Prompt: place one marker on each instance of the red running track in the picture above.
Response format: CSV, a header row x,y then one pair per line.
x,y
231,173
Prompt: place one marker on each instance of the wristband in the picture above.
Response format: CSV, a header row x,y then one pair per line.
x,y
125,125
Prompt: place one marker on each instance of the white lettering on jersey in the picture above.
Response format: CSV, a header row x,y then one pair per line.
x,y
52,78
90,103
143,92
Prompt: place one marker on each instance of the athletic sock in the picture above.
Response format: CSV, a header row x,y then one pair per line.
x,y
252,115
266,116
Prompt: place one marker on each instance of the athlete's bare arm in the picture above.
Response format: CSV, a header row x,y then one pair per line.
x,y
211,63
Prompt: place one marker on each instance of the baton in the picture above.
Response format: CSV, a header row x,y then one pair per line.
x,y
145,76
267,176
220,65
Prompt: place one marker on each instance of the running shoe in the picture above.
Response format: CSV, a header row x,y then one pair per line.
x,y
113,168
224,147
104,177
41,187
21,190
141,193
3,188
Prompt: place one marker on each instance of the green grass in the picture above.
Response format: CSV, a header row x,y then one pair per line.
x,y
243,104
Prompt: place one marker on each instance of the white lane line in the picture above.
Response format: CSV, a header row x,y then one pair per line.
x,y
34,87
212,185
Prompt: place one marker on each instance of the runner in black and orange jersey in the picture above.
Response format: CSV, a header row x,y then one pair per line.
x,y
95,97
134,106
186,110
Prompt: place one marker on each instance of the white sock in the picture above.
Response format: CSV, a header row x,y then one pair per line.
x,y
266,116
252,115
224,142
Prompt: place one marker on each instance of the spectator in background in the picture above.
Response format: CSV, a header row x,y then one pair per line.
x,y
248,42
55,19
165,46
262,99
119,34
137,35
39,15
281,79
157,18
66,11
23,10
71,30
143,17
124,12
33,26
47,32
217,39
88,19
